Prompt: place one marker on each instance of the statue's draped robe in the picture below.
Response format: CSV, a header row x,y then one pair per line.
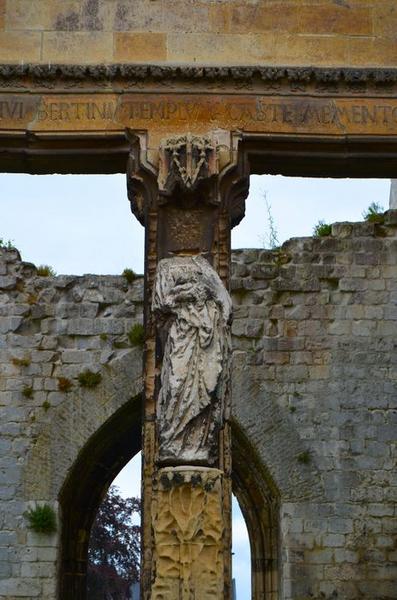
x,y
191,297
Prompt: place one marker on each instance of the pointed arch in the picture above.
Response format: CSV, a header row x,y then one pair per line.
x,y
259,501
101,459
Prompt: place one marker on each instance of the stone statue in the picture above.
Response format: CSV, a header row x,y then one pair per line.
x,y
194,307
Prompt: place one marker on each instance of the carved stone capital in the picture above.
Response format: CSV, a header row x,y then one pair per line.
x,y
188,171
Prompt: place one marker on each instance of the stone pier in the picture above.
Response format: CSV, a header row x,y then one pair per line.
x,y
188,193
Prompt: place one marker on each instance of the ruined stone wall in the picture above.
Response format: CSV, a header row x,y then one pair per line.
x,y
224,32
314,393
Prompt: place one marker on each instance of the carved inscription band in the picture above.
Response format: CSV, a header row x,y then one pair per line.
x,y
184,112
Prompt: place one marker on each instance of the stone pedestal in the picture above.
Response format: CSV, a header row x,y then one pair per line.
x,y
189,530
188,192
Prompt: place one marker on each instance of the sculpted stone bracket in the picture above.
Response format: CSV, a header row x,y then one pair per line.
x,y
186,170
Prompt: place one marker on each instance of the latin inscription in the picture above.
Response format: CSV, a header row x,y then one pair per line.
x,y
261,113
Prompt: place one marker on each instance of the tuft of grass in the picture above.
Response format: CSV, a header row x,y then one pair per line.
x,y
292,408
42,519
374,213
45,271
104,337
21,362
136,335
64,384
322,229
46,405
89,379
304,458
129,274
27,391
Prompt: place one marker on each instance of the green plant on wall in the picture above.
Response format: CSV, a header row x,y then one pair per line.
x,y
129,274
322,229
42,519
136,335
27,391
89,379
7,245
374,213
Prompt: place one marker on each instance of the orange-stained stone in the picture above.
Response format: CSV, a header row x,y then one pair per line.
x,y
377,52
18,48
385,21
334,19
219,18
140,47
255,18
77,47
311,50
221,49
276,32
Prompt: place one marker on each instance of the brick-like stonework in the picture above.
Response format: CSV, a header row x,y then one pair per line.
x,y
314,392
294,32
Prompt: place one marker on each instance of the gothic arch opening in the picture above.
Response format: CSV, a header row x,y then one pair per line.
x,y
103,457
258,498
105,454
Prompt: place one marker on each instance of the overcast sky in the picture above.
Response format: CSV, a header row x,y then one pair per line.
x,y
83,224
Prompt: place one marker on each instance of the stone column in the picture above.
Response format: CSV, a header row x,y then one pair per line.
x,y
393,194
188,193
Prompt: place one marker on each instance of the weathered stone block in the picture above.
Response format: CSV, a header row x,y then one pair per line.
x,y
141,15
27,15
77,47
15,47
140,47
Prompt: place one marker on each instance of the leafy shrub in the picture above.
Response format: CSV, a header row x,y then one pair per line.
x,y
322,229
42,519
129,274
46,271
89,379
136,335
374,213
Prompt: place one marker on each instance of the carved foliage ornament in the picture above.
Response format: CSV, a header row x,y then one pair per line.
x,y
185,162
78,75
